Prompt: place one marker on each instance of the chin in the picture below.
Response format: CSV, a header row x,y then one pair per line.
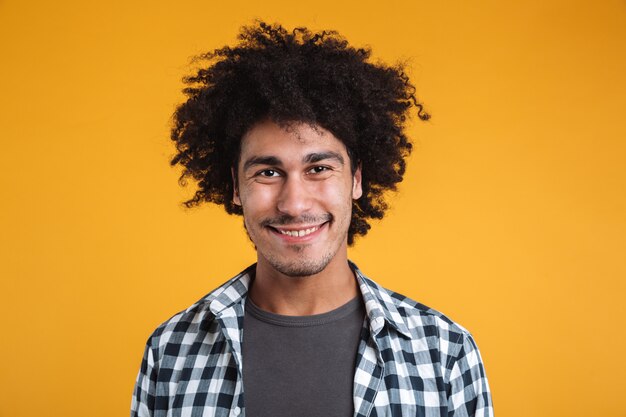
x,y
300,267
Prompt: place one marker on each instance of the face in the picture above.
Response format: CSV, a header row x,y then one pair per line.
x,y
296,189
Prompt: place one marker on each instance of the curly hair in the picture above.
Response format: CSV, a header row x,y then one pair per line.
x,y
297,76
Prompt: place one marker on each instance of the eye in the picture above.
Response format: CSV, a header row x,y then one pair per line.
x,y
318,169
268,173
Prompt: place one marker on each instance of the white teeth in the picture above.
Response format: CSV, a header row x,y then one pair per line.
x,y
299,233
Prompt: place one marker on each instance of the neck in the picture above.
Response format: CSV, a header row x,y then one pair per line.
x,y
303,296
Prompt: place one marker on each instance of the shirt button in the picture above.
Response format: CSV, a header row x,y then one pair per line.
x,y
237,411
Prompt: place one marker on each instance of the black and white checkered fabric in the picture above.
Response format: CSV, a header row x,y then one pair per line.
x,y
412,360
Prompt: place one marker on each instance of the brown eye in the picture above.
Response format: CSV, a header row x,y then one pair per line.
x,y
318,169
268,173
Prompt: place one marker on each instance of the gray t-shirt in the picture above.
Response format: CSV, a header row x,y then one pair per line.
x,y
300,366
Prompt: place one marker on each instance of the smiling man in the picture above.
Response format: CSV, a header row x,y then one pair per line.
x,y
296,189
302,135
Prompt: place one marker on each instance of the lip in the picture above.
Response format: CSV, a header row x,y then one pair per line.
x,y
298,239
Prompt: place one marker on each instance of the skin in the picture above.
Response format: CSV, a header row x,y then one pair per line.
x,y
291,179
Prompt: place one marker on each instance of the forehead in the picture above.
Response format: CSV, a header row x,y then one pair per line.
x,y
292,140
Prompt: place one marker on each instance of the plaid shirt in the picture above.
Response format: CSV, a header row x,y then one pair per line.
x,y
412,360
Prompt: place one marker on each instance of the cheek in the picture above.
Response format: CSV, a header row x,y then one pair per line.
x,y
257,198
336,194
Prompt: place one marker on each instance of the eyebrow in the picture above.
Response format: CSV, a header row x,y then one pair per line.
x,y
308,159
322,156
261,160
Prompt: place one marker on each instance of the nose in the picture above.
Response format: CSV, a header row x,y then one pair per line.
x,y
295,197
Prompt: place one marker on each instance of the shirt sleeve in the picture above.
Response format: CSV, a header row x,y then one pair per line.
x,y
469,390
145,387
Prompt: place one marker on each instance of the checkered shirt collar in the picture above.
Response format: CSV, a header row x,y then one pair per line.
x,y
379,305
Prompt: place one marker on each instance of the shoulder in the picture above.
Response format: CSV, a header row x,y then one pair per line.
x,y
422,318
200,316
428,344
450,340
426,328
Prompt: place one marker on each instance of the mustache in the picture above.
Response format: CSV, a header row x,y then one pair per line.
x,y
285,219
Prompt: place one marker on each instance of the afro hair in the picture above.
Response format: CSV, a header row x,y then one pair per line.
x,y
294,76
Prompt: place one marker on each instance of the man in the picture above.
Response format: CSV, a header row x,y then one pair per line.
x,y
303,136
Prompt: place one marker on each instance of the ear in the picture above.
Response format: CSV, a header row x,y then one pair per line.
x,y
236,199
357,190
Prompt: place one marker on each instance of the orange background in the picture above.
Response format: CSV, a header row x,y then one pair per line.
x,y
511,219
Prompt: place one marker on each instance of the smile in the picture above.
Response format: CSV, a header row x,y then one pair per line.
x,y
302,234
299,233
